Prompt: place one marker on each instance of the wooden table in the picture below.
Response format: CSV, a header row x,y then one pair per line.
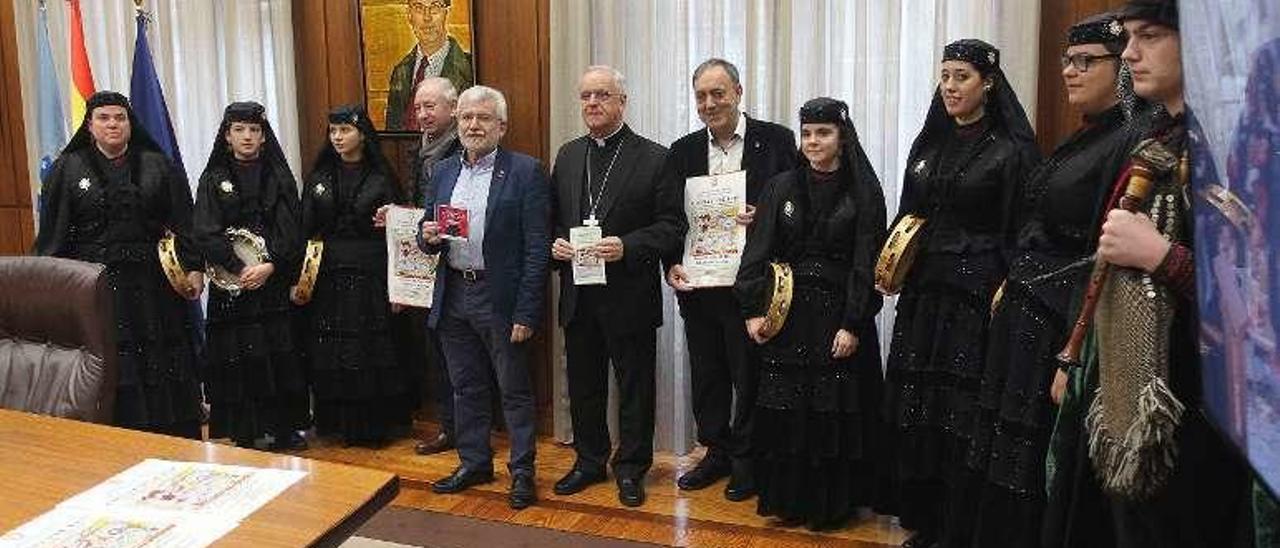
x,y
45,460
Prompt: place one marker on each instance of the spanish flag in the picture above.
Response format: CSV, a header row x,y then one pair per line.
x,y
81,74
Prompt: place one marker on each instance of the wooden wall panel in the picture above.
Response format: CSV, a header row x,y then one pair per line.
x,y
15,181
512,48
1055,119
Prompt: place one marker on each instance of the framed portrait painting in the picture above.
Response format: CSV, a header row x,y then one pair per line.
x,y
405,41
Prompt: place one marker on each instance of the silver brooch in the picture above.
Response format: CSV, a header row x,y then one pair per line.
x,y
1115,28
920,167
319,189
226,187
788,208
84,183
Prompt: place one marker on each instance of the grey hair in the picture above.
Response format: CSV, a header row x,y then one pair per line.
x,y
618,79
441,84
483,94
713,62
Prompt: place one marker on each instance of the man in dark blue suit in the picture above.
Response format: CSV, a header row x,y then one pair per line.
x,y
489,288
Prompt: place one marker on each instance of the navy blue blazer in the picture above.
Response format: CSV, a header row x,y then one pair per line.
x,y
516,247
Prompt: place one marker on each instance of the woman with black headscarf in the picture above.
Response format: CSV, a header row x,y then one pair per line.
x,y
963,176
109,198
360,386
254,380
1048,272
817,411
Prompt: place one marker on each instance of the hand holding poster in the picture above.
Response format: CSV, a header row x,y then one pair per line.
x,y
713,246
411,274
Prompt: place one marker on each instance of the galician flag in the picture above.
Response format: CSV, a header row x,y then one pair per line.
x,y
52,123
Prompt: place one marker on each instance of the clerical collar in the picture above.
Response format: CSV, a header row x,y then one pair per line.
x,y
609,140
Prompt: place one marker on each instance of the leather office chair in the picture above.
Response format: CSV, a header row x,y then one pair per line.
x,y
57,338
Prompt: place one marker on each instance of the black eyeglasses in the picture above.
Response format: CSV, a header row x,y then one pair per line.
x,y
1082,61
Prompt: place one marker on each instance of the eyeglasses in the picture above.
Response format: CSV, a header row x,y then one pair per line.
x,y
1082,61
598,95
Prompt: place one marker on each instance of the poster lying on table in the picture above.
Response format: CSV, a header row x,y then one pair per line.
x,y
713,246
411,273
156,503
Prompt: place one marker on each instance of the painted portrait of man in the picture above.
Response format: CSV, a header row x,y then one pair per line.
x,y
435,51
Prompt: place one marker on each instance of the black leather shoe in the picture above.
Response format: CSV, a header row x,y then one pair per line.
x,y
631,491
708,471
740,488
439,444
461,479
521,494
577,480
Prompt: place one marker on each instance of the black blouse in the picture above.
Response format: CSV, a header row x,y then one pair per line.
x,y
257,196
99,210
831,227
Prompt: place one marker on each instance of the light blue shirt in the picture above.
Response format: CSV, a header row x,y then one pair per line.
x,y
472,193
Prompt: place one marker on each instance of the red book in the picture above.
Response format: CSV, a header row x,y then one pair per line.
x,y
453,222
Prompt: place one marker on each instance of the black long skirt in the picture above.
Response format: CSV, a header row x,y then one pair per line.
x,y
360,386
158,388
817,419
255,378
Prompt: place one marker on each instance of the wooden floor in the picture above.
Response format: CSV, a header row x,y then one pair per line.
x,y
669,517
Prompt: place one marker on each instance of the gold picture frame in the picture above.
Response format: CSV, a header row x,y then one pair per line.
x,y
391,34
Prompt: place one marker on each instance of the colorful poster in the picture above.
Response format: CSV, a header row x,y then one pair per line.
x,y
713,246
411,273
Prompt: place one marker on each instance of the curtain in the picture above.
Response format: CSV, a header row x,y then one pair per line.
x,y
880,57
208,53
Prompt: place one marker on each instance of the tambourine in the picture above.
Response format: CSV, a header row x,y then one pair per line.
x,y
997,297
897,255
310,270
779,301
250,248
167,249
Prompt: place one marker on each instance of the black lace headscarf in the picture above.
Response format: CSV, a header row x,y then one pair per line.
x,y
1107,30
271,154
354,115
1001,104
138,136
825,110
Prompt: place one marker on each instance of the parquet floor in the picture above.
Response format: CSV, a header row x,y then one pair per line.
x,y
669,517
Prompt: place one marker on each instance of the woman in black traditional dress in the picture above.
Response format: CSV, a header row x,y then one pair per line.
x,y
254,381
963,175
360,387
817,412
109,198
1046,277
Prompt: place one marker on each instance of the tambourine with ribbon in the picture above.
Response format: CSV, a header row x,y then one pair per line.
x,y
250,248
898,253
780,299
310,270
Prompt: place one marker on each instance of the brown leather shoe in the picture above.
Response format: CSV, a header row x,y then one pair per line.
x,y
442,442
